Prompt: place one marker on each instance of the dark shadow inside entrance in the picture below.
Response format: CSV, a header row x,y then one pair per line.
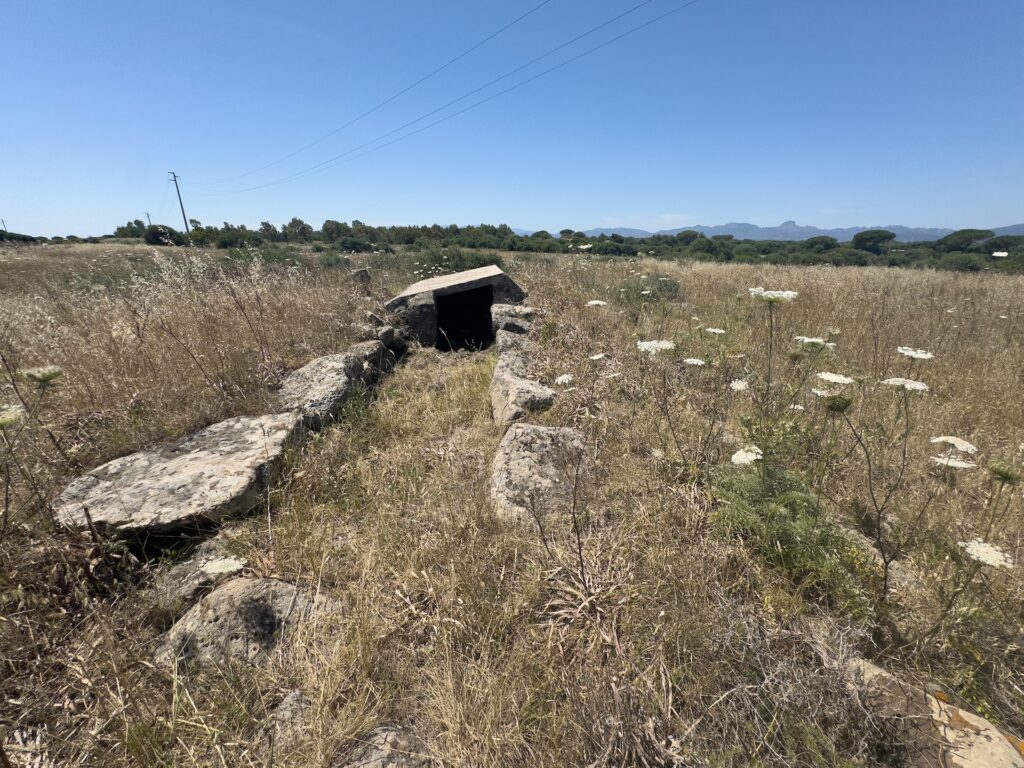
x,y
464,319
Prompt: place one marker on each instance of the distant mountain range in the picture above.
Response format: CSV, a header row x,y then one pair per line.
x,y
790,230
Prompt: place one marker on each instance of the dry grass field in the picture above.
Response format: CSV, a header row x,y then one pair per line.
x,y
693,608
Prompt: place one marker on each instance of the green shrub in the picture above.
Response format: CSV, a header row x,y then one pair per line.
x,y
159,234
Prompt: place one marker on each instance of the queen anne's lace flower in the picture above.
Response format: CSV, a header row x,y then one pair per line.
x,y
745,456
598,356
694,361
43,375
835,378
597,303
908,384
11,415
653,347
917,354
814,342
772,297
961,445
564,380
986,554
716,331
738,385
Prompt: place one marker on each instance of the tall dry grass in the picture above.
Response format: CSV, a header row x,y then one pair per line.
x,y
679,638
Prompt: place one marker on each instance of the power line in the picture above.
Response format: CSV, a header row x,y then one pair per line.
x,y
386,101
341,159
330,161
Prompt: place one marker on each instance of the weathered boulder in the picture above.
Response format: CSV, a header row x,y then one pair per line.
x,y
386,334
417,318
243,620
512,317
935,734
218,472
289,724
178,586
513,396
319,389
535,470
376,358
361,277
386,747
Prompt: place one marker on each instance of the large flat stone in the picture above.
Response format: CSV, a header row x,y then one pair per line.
x,y
505,289
243,620
216,473
319,389
515,318
513,395
535,470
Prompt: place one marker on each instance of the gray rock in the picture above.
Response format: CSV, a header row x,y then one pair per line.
x,y
417,318
361,277
376,358
386,747
386,334
534,471
513,396
319,389
514,318
216,473
243,620
178,586
375,320
288,722
934,733
504,289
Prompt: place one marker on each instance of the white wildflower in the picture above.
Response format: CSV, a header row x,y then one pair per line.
x,y
564,380
986,554
43,375
598,356
796,407
645,293
738,385
834,378
745,456
917,354
772,297
597,303
960,444
716,331
694,361
953,463
908,384
814,342
824,392
653,347
11,415
657,453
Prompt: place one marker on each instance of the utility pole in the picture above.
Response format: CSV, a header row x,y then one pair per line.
x,y
174,176
4,223
149,219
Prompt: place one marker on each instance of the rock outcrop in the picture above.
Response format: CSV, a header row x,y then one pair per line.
x,y
513,395
386,747
935,734
243,620
514,318
216,473
535,471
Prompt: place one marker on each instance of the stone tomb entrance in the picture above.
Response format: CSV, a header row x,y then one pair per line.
x,y
453,312
464,319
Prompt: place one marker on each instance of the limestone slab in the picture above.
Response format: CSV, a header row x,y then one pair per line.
x,y
319,389
535,470
216,473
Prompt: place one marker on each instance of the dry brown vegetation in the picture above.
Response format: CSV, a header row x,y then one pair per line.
x,y
669,627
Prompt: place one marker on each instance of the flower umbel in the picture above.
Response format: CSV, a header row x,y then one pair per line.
x,y
745,456
44,374
908,384
11,415
961,445
916,354
656,346
986,554
835,378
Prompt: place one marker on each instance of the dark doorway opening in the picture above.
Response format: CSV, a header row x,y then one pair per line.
x,y
464,319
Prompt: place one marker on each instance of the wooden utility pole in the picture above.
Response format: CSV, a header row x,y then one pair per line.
x,y
4,223
174,176
149,220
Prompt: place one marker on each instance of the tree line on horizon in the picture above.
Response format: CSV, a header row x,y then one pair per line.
x,y
966,250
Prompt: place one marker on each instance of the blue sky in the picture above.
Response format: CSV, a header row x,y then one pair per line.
x,y
834,114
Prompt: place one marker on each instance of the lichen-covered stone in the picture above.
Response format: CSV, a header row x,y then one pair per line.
x,y
243,620
513,395
319,389
216,473
535,470
514,318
